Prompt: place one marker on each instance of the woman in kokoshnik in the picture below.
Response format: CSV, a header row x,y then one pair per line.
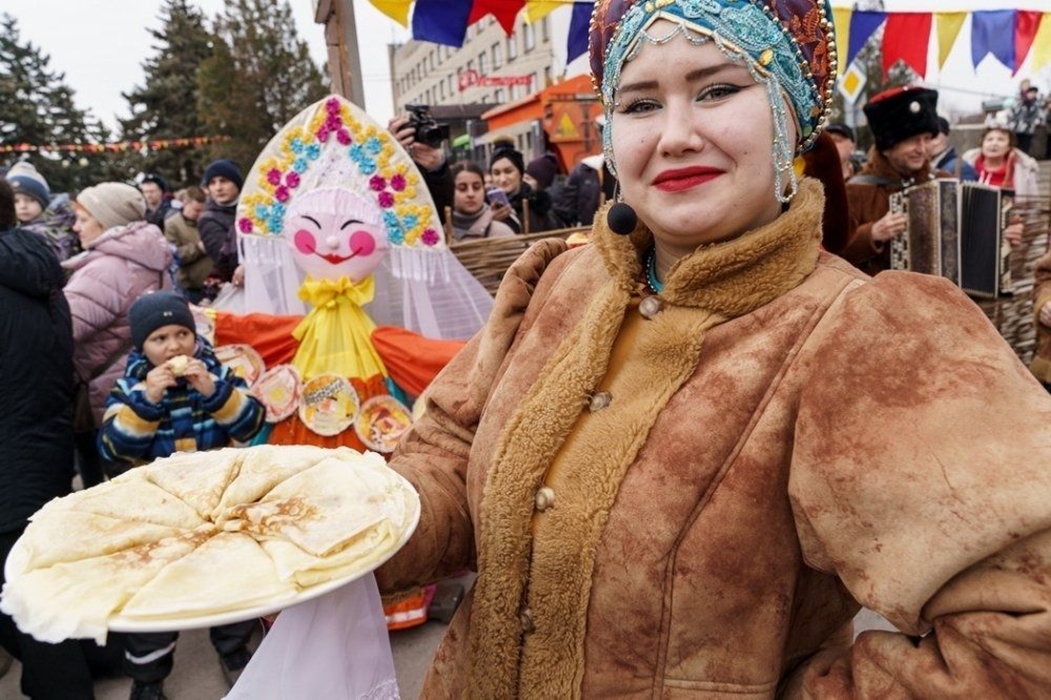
x,y
681,458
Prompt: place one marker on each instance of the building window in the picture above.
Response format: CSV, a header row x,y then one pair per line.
x,y
483,63
548,79
528,38
498,56
450,80
470,64
499,96
545,30
512,48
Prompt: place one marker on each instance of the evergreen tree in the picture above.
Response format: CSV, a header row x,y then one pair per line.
x,y
37,108
259,76
165,106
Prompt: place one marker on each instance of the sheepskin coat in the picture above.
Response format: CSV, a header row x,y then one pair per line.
x,y
694,501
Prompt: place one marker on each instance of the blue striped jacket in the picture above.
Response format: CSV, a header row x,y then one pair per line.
x,y
135,430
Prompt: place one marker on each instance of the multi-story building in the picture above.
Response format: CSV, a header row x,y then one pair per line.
x,y
489,70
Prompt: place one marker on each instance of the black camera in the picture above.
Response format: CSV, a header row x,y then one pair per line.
x,y
428,131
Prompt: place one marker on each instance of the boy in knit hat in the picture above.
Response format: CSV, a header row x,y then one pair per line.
x,y
175,396
37,213
222,180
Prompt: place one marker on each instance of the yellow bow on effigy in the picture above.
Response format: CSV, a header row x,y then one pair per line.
x,y
336,336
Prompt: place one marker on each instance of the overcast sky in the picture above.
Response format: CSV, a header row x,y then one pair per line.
x,y
100,46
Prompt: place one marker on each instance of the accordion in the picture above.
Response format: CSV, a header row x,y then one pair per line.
x,y
955,230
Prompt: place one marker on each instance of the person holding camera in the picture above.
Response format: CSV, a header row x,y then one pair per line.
x,y
416,132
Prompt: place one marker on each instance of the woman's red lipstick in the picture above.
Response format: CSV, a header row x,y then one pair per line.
x,y
681,179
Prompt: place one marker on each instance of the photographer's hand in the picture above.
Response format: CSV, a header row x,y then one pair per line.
x,y
423,155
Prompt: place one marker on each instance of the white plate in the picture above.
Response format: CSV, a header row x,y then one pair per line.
x,y
18,556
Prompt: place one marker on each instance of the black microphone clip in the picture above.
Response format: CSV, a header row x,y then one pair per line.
x,y
621,219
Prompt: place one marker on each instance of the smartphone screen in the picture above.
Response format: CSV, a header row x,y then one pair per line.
x,y
497,196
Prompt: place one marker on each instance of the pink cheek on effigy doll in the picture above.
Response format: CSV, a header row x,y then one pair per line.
x,y
305,242
362,243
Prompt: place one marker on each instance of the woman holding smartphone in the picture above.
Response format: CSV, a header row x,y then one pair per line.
x,y
506,168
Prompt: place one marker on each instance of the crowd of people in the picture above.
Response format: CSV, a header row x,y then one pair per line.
x,y
94,295
680,458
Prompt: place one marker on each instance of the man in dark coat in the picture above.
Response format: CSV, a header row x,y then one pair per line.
x,y
579,199
222,181
36,436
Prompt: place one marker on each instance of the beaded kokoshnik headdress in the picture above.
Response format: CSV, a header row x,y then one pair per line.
x,y
788,46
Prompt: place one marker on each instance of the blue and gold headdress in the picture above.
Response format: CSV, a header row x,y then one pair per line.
x,y
787,45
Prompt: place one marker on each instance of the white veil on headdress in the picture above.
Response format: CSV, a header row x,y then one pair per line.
x,y
420,285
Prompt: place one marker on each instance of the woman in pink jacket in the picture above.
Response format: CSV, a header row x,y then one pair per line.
x,y
124,257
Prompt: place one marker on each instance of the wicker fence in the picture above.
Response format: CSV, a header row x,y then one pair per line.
x,y
488,258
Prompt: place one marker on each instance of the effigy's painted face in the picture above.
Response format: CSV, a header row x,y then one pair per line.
x,y
336,233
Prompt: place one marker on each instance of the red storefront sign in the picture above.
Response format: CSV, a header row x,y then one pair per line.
x,y
472,78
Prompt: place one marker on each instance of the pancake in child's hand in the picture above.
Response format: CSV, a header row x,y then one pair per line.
x,y
178,364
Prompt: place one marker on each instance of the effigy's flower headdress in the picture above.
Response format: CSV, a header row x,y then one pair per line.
x,y
333,144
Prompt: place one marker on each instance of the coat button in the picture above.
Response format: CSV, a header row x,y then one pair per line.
x,y
526,618
599,401
545,498
650,306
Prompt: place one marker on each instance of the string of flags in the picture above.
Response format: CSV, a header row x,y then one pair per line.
x,y
1008,35
115,147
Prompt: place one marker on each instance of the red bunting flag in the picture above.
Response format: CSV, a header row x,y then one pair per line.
x,y
906,37
505,12
1027,23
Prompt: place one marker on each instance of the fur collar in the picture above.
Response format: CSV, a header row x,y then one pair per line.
x,y
715,283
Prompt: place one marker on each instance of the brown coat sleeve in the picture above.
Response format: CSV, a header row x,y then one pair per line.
x,y
435,455
866,204
920,477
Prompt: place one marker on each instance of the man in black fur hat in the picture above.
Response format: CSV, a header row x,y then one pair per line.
x,y
903,120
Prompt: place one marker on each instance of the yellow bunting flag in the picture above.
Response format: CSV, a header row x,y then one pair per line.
x,y
1041,50
535,10
397,10
841,16
948,26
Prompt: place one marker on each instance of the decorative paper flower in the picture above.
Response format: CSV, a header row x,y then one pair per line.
x,y
297,146
431,237
377,183
300,165
386,200
292,179
313,151
397,182
281,194
343,136
322,134
273,176
245,224
373,146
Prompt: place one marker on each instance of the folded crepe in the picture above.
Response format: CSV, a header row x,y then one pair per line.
x,y
127,498
76,599
321,509
200,583
77,535
362,553
198,478
266,466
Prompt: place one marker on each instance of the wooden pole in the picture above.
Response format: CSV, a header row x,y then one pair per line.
x,y
341,37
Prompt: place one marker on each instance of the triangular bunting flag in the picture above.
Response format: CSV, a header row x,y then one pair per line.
x,y
993,32
441,21
1042,44
1026,24
948,26
862,25
505,12
397,10
536,10
906,38
841,18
